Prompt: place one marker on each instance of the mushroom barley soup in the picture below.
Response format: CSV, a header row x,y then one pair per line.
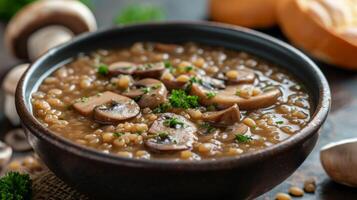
x,y
168,101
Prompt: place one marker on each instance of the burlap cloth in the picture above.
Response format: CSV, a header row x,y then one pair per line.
x,y
46,186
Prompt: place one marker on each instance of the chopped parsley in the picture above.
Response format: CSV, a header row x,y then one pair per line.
x,y
188,68
15,186
145,90
238,93
103,69
118,134
243,138
209,128
179,99
279,122
210,95
82,100
169,66
173,122
163,135
162,108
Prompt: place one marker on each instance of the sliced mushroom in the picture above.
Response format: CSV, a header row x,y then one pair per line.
x,y
151,70
171,48
58,21
180,137
86,106
230,134
16,138
116,111
5,155
244,76
228,97
150,92
223,118
122,68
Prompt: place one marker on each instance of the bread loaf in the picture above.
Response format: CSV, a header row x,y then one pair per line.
x,y
327,29
248,13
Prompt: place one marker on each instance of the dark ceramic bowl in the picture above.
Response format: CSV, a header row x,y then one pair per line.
x,y
108,176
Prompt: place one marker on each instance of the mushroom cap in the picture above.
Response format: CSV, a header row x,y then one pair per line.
x,y
69,13
178,138
116,111
244,76
227,97
155,95
86,107
5,154
223,118
339,161
122,67
13,77
16,138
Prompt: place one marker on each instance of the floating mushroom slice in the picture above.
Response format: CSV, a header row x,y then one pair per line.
x,y
150,92
116,111
340,162
5,155
211,83
16,138
86,105
171,48
180,137
223,118
244,76
232,131
122,68
151,70
228,97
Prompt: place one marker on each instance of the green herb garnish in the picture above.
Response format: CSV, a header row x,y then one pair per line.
x,y
15,186
179,99
192,81
238,93
209,128
188,68
118,134
162,108
145,90
103,69
279,122
210,95
140,13
82,100
173,122
243,138
163,135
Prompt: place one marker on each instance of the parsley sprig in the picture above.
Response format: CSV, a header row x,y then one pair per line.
x,y
243,138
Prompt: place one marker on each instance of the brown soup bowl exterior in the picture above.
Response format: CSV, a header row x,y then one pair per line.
x,y
104,176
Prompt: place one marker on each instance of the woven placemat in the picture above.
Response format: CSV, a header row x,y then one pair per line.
x,y
46,186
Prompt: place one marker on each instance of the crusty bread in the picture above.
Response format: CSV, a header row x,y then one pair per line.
x,y
327,29
248,13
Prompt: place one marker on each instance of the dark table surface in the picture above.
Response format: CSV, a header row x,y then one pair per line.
x,y
340,124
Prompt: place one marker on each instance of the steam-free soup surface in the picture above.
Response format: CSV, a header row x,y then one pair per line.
x,y
169,101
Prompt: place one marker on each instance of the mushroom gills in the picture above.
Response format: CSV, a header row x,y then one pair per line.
x,y
228,97
340,162
86,105
114,112
171,138
148,93
223,118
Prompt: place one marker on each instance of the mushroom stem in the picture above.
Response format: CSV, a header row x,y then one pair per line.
x,y
46,38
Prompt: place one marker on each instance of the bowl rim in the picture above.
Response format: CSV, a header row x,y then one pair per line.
x,y
33,125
